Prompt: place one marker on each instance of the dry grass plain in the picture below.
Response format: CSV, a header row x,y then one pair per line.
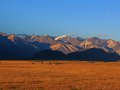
x,y
63,75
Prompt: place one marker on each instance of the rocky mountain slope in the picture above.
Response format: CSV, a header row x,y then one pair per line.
x,y
65,48
25,46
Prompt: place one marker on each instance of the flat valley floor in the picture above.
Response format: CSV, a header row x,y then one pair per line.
x,y
60,75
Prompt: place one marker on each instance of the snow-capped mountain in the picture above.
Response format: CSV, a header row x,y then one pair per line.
x,y
23,45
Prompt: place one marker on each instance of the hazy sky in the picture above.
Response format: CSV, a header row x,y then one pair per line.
x,y
58,17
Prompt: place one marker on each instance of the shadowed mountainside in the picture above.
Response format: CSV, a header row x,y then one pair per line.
x,y
13,47
93,54
50,55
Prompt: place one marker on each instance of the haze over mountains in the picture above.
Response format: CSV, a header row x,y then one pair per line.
x,y
23,46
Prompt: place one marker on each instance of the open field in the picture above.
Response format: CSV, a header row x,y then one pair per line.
x,y
63,75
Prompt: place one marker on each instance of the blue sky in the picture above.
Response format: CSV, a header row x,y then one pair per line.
x,y
58,17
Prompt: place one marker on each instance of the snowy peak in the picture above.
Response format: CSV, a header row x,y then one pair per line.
x,y
60,37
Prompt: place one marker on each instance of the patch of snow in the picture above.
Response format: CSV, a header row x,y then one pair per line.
x,y
59,37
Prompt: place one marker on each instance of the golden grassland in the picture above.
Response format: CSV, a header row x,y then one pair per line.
x,y
60,75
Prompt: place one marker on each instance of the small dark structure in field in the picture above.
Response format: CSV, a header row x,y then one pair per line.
x,y
33,62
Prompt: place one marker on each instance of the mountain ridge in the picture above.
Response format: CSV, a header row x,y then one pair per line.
x,y
93,54
25,46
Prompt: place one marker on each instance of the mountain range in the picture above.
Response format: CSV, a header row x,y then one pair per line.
x,y
23,46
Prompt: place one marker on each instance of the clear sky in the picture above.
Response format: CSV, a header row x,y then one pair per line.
x,y
58,17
